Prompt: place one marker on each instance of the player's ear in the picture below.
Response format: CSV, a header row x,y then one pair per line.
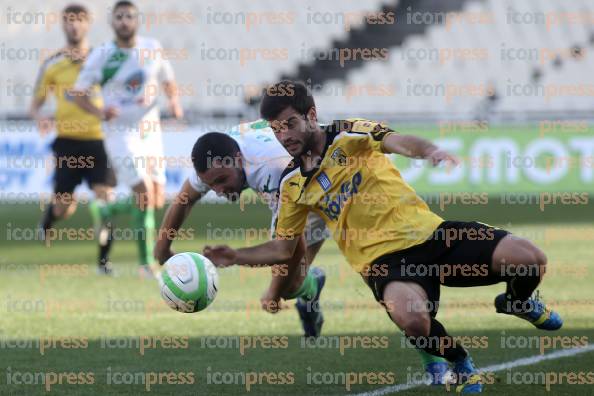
x,y
312,115
238,159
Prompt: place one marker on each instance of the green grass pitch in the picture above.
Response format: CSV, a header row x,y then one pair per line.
x,y
53,294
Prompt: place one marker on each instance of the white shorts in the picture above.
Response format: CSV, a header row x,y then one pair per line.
x,y
134,158
153,144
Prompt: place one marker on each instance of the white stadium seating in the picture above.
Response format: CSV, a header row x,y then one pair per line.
x,y
414,85
504,74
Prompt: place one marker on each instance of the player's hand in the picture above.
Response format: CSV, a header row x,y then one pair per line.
x,y
438,156
110,113
45,125
176,110
222,256
270,302
162,254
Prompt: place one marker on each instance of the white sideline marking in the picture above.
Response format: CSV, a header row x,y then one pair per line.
x,y
494,368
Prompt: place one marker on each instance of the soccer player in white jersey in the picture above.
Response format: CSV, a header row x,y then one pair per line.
x,y
129,70
249,156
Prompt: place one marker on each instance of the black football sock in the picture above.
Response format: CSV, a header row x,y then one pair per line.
x,y
520,288
48,217
439,343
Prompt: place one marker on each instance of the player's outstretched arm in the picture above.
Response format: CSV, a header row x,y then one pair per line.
x,y
416,147
278,251
83,100
174,218
172,93
44,124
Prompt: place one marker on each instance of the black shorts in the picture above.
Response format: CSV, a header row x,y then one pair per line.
x,y
78,160
458,254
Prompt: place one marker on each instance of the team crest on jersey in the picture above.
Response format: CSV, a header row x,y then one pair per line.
x,y
135,82
339,157
324,181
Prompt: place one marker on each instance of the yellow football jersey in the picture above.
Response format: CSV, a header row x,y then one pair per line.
x,y
58,75
370,210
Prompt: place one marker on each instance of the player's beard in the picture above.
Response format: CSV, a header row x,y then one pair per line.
x,y
241,185
308,144
74,41
125,36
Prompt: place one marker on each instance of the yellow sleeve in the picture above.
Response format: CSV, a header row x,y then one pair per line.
x,y
44,83
376,131
290,218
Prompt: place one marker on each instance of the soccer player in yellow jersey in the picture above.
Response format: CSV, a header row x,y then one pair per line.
x,y
79,153
388,234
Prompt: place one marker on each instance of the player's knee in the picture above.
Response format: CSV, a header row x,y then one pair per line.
x,y
70,210
540,261
417,325
64,210
533,255
541,258
143,194
533,259
159,195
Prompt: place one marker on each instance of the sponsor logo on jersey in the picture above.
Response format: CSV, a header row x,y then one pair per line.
x,y
333,203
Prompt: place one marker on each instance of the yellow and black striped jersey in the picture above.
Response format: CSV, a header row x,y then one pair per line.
x,y
58,75
370,210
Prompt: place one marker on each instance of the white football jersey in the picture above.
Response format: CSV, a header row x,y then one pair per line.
x,y
265,160
129,80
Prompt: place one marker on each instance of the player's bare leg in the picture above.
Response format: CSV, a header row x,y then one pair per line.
x,y
523,265
408,307
65,206
159,193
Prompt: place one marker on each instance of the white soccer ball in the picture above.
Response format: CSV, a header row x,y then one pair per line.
x,y
189,282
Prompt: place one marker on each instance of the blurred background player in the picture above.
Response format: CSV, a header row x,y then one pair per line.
x,y
129,70
79,152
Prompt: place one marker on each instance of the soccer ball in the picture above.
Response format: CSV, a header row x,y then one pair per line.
x,y
189,282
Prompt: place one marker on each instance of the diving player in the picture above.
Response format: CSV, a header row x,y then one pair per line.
x,y
387,233
249,156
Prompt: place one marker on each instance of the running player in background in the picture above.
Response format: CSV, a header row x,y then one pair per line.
x,y
129,70
79,152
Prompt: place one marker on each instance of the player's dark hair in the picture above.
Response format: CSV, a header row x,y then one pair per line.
x,y
123,3
284,94
74,10
213,146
